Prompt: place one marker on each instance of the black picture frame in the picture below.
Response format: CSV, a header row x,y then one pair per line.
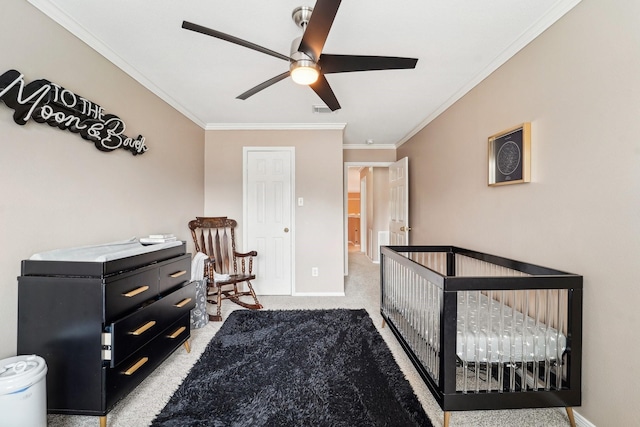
x,y
510,156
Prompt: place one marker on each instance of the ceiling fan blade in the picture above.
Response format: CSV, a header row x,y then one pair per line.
x,y
322,88
324,12
347,63
263,85
219,35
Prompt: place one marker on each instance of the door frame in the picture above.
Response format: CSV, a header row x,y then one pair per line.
x,y
364,239
245,225
345,175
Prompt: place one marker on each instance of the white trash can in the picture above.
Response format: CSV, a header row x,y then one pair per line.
x,y
23,392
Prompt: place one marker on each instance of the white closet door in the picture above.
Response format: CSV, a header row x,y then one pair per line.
x,y
268,216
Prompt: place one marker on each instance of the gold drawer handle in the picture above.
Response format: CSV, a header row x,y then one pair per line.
x,y
137,366
183,302
177,333
136,291
178,274
142,329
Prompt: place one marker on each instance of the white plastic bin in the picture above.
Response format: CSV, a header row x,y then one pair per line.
x,y
23,392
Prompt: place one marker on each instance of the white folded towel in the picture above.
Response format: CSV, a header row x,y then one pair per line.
x,y
220,277
197,266
197,269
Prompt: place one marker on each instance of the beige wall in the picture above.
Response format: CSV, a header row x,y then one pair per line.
x,y
57,189
318,179
372,155
579,86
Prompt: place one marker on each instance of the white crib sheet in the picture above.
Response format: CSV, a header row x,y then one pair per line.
x,y
102,253
486,333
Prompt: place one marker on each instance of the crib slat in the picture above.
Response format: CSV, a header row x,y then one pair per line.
x,y
490,349
477,342
501,361
525,332
559,328
536,348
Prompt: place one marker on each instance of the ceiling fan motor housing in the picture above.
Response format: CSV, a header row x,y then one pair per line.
x,y
304,69
301,16
297,55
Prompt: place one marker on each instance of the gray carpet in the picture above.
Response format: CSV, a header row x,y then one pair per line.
x,y
361,291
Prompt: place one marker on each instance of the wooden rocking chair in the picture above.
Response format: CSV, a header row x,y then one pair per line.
x,y
215,237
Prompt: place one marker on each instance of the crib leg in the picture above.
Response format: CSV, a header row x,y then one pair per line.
x,y
447,415
572,420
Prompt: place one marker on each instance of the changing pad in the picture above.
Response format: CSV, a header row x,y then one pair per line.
x,y
104,252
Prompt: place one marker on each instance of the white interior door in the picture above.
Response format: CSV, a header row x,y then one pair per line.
x,y
269,218
399,203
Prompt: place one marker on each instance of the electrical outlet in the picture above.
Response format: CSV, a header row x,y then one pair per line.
x,y
314,271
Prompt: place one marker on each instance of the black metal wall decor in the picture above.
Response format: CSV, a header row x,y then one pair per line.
x,y
47,102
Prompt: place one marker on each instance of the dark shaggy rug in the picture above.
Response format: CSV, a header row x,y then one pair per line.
x,y
295,368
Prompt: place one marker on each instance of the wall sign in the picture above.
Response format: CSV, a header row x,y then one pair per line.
x,y
47,102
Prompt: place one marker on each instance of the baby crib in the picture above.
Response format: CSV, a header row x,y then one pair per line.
x,y
485,332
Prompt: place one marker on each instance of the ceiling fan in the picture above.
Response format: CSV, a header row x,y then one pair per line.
x,y
308,64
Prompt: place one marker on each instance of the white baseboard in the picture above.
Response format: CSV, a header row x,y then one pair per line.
x,y
582,421
318,294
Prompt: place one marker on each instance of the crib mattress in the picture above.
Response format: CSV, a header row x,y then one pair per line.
x,y
493,332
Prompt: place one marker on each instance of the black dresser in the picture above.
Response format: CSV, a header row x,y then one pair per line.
x,y
102,327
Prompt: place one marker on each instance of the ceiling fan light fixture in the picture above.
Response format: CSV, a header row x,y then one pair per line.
x,y
304,72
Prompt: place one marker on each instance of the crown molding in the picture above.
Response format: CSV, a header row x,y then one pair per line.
x,y
368,146
275,126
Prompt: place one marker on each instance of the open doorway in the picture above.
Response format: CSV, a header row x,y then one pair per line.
x,y
366,208
356,204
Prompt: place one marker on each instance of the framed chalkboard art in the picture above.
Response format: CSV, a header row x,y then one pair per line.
x,y
510,156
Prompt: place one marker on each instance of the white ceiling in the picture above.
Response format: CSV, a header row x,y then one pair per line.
x,y
457,42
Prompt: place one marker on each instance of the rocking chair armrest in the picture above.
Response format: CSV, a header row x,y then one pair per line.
x,y
242,260
245,254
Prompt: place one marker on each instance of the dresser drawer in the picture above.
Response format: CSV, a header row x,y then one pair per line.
x,y
175,273
123,378
125,294
180,301
133,331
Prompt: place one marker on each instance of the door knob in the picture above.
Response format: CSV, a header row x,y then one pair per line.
x,y
405,228
286,229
